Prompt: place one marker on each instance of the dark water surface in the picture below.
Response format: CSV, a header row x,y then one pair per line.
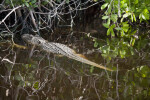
x,y
53,77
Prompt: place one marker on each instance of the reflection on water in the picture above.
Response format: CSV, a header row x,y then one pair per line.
x,y
53,77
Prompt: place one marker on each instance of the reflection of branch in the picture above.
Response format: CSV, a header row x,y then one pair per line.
x,y
96,89
9,14
33,21
117,93
17,92
14,60
4,59
11,62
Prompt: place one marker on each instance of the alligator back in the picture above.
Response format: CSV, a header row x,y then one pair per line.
x,y
58,48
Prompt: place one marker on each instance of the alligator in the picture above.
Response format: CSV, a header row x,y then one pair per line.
x,y
58,48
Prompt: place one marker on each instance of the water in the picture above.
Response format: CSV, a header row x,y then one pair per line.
x,y
54,77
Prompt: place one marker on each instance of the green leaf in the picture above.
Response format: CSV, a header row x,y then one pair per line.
x,y
18,77
114,68
144,71
125,26
109,9
134,17
105,49
26,0
108,21
122,19
106,25
140,17
105,17
104,6
122,33
95,0
143,16
125,29
33,1
108,42
91,69
111,29
114,17
126,15
108,31
30,4
109,58
35,6
118,28
146,14
30,65
132,41
36,85
146,11
96,44
122,53
67,1
113,26
131,50
136,1
44,2
26,4
112,32
105,55
59,1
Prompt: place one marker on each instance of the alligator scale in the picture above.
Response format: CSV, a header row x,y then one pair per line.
x,y
58,48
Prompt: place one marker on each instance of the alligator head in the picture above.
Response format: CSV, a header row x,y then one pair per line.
x,y
34,40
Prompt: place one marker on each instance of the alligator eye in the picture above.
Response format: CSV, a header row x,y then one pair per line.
x,y
38,42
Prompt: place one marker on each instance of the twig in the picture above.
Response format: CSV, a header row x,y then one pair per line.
x,y
9,14
117,93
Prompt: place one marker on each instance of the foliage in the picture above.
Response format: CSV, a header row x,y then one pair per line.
x,y
27,3
122,19
137,81
31,3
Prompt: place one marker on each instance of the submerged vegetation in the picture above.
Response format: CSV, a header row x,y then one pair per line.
x,y
123,42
